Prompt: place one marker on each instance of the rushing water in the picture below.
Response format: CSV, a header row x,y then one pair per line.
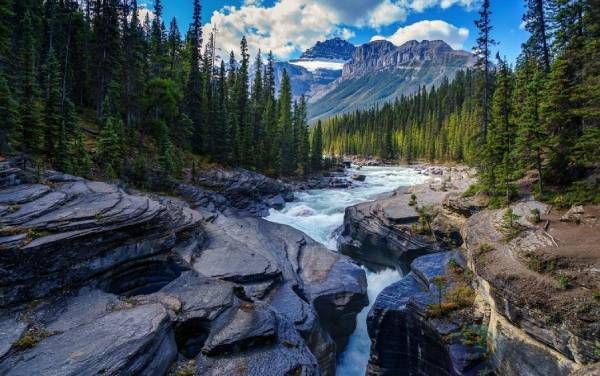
x,y
319,213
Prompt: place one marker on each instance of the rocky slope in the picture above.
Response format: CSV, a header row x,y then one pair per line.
x,y
100,281
521,306
384,72
332,49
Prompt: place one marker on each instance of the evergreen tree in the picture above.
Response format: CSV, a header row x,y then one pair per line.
x,y
483,52
174,44
109,152
536,23
500,138
243,109
54,134
194,83
6,30
284,124
302,143
9,119
157,41
530,142
30,101
316,148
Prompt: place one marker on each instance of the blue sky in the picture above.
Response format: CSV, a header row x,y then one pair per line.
x,y
289,26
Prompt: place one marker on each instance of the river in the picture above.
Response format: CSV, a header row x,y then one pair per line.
x,y
318,213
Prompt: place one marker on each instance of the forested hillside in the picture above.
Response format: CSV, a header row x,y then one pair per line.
x,y
89,87
542,114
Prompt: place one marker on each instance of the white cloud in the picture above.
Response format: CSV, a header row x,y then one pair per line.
x,y
387,13
429,30
522,25
290,26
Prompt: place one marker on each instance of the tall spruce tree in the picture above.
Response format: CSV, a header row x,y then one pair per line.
x,y
194,83
285,127
483,52
316,148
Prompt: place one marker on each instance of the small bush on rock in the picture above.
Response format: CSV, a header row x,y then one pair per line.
x,y
510,226
30,339
562,282
413,200
535,216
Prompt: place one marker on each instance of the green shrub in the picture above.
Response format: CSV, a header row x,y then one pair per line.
x,y
485,248
562,282
510,226
413,200
535,216
30,339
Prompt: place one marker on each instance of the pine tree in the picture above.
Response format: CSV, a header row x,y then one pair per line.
x,y
157,41
165,151
483,52
133,69
30,101
174,44
531,139
109,152
53,127
302,143
284,124
500,138
6,30
316,148
10,129
536,23
241,94
194,83
222,137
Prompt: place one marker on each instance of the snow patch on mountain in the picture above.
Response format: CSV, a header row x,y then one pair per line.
x,y
313,65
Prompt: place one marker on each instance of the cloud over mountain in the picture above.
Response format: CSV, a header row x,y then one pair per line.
x,y
429,30
289,26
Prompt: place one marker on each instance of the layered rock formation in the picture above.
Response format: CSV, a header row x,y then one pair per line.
x,y
538,285
380,234
408,339
99,281
526,302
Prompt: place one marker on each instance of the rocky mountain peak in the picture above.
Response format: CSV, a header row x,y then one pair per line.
x,y
332,49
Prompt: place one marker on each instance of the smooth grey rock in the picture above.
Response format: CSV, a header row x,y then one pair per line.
x,y
249,326
137,340
288,355
11,330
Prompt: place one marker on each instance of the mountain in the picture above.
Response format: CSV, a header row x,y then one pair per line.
x,y
380,72
329,55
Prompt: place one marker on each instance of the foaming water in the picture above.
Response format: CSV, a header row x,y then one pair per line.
x,y
318,213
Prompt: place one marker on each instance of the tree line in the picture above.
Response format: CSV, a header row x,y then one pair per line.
x,y
541,115
91,87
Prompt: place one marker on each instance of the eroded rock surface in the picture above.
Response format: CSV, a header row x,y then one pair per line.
x,y
239,192
381,233
407,339
538,285
99,281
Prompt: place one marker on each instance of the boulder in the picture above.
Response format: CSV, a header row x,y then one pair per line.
x,y
575,214
359,177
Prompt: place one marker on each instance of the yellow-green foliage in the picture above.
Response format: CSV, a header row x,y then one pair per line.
x,y
30,339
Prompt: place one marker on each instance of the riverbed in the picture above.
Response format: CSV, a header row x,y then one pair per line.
x,y
318,213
